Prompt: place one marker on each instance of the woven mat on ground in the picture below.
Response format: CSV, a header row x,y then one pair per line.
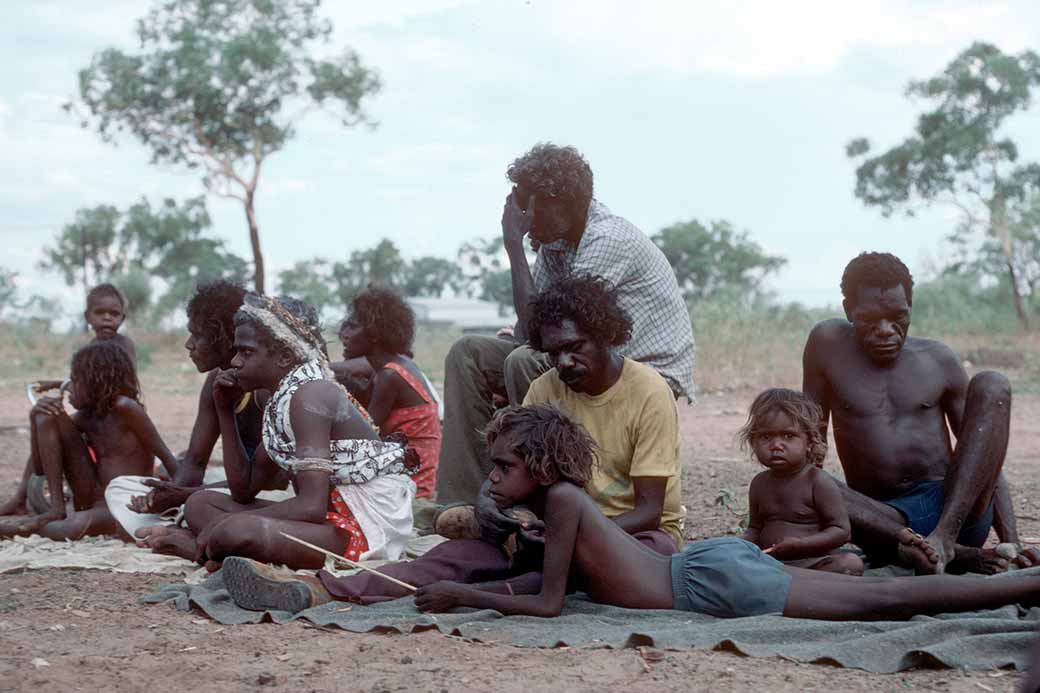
x,y
978,640
116,555
102,553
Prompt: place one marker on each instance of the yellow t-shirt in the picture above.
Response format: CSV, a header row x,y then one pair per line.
x,y
636,428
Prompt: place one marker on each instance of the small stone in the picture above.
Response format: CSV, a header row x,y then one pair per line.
x,y
1007,550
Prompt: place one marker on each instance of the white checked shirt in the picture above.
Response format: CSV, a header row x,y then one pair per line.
x,y
616,250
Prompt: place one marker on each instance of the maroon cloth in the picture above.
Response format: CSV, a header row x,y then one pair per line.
x,y
458,560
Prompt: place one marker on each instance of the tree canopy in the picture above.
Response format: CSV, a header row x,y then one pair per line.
x,y
714,258
959,155
220,85
170,243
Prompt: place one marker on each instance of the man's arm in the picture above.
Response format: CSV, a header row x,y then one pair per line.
x,y
649,505
835,529
516,224
385,387
814,382
564,505
655,461
246,477
204,435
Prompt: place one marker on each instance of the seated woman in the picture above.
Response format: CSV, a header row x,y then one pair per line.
x,y
381,327
353,492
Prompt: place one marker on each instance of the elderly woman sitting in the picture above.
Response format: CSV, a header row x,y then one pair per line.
x,y
353,490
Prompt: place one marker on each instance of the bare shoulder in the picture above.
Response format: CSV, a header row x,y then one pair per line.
x,y
564,496
940,352
829,331
127,406
322,390
758,481
821,479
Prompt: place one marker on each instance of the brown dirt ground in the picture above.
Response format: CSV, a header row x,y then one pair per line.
x,y
93,635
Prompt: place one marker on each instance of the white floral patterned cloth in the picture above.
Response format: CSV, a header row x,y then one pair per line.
x,y
370,475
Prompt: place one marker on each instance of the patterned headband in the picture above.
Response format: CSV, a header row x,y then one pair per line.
x,y
288,330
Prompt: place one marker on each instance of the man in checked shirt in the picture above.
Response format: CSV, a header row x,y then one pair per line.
x,y
572,234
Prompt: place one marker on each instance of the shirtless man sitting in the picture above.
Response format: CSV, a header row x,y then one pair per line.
x,y
913,497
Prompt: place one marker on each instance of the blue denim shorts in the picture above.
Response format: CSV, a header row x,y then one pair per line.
x,y
923,505
728,577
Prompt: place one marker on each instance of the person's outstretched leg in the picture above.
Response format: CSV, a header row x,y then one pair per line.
x,y
977,460
473,372
836,597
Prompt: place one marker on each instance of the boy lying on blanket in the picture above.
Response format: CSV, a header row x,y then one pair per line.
x,y
542,459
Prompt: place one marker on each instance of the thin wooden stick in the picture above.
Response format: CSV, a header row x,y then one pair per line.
x,y
769,550
352,564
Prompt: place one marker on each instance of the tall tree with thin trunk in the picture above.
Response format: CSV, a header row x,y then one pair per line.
x,y
959,155
220,85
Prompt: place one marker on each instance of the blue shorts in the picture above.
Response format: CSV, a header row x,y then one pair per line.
x,y
728,577
923,505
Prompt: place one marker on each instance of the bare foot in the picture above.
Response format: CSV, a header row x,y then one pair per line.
x,y
916,552
26,526
171,541
944,549
14,505
971,560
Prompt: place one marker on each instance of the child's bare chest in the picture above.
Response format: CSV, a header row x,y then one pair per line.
x,y
788,502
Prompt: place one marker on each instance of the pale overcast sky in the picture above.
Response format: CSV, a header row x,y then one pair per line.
x,y
685,110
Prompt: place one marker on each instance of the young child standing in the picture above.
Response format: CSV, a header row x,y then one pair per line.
x,y
542,459
796,510
105,313
109,435
381,328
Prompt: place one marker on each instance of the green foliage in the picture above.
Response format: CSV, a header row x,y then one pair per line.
x,y
959,155
8,289
219,86
133,249
382,264
717,258
431,276
308,280
962,303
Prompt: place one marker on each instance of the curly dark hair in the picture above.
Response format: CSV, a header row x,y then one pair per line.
x,y
553,171
590,301
553,447
102,371
878,270
213,307
800,407
107,289
386,318
303,316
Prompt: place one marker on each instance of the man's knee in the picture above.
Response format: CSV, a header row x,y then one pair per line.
x,y
846,563
198,508
990,386
462,353
521,367
239,535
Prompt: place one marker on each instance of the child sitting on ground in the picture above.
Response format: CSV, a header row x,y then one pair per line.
x,y
105,313
381,327
109,435
796,510
542,460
